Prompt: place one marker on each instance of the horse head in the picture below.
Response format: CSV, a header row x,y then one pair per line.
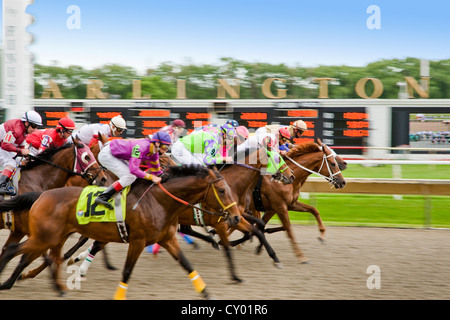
x,y
330,168
86,165
219,193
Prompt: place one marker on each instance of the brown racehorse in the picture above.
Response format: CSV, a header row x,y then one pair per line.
x,y
241,177
76,180
50,169
282,198
302,207
155,219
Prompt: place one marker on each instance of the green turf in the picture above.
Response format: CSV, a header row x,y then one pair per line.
x,y
382,210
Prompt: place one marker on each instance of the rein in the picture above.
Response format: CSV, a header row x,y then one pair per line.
x,y
83,175
196,207
324,160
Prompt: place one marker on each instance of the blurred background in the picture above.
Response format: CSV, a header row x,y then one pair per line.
x,y
370,78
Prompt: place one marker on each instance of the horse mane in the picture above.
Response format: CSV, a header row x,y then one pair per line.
x,y
185,171
304,148
46,155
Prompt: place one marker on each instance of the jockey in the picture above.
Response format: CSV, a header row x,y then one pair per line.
x,y
233,122
41,140
205,146
175,130
123,158
89,133
12,136
278,139
242,134
297,129
284,137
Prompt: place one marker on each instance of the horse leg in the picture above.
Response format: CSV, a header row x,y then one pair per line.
x,y
301,207
81,241
135,249
30,254
33,273
11,251
96,247
186,229
246,227
108,264
284,217
55,257
173,247
222,232
14,237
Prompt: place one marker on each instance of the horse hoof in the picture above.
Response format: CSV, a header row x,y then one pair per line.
x,y
322,240
278,265
70,262
110,267
305,261
237,280
5,287
62,294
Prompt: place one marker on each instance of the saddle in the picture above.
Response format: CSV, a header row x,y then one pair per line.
x,y
257,199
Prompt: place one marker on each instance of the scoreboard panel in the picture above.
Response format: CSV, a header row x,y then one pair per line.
x,y
335,126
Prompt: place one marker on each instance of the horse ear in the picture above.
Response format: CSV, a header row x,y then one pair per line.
x,y
318,141
77,142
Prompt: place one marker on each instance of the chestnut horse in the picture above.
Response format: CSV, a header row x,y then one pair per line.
x,y
281,199
241,177
52,168
155,219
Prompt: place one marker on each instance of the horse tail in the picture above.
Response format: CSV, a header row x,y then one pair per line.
x,y
21,202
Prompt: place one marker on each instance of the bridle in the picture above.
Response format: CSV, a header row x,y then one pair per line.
x,y
85,174
223,213
330,178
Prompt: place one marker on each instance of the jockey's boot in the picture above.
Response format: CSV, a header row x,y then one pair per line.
x,y
5,186
108,194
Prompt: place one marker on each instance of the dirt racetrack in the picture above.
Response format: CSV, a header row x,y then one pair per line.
x,y
414,264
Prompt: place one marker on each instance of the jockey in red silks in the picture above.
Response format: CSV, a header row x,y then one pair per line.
x,y
55,138
12,136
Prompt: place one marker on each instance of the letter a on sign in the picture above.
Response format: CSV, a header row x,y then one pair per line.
x,y
374,20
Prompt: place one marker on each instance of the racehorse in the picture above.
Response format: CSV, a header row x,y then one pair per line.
x,y
241,177
155,219
280,199
50,169
300,206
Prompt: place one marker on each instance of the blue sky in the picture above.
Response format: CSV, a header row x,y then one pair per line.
x,y
143,34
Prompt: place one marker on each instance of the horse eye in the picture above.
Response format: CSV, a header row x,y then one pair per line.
x,y
222,191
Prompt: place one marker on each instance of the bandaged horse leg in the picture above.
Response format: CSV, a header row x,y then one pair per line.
x,y
89,258
134,251
173,247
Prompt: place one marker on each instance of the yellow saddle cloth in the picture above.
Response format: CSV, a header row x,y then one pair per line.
x,y
89,211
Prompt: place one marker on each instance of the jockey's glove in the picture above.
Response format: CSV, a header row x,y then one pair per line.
x,y
149,176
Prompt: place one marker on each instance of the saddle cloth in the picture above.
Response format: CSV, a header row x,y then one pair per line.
x,y
88,211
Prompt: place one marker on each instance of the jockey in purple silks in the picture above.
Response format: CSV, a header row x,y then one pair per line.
x,y
123,158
